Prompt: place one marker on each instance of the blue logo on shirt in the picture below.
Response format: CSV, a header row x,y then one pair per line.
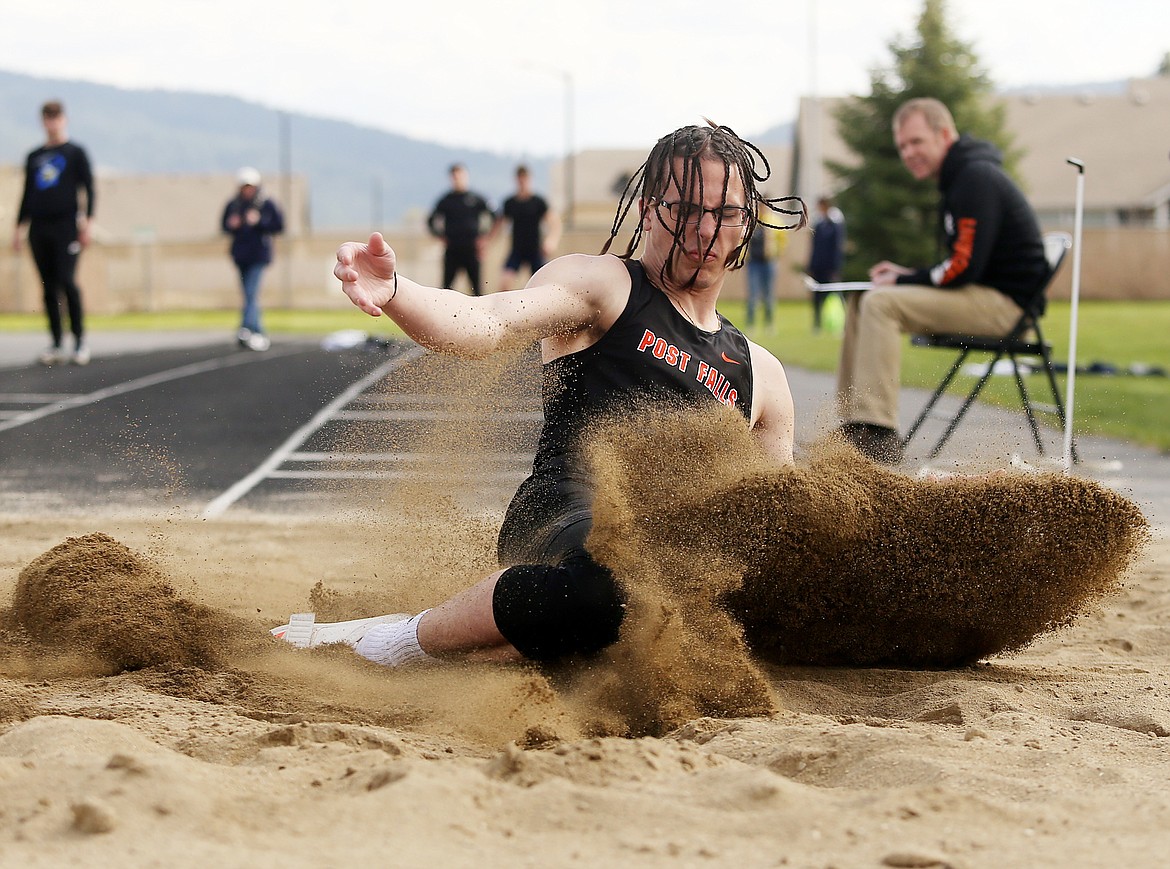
x,y
49,172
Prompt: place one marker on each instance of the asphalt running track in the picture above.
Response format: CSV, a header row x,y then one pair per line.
x,y
212,430
205,429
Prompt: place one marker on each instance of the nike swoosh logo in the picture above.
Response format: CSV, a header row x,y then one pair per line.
x,y
727,358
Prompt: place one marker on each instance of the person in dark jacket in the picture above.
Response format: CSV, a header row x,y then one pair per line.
x,y
827,254
994,269
58,227
251,218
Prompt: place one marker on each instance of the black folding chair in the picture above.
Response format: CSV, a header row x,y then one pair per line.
x,y
1025,339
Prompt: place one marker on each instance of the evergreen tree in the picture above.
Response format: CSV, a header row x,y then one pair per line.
x,y
889,214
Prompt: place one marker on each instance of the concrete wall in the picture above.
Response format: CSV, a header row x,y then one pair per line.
x,y
155,276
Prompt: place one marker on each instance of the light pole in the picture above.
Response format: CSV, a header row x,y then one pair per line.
x,y
1078,224
815,131
569,163
376,211
286,194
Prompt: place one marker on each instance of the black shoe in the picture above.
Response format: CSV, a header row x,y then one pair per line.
x,y
875,442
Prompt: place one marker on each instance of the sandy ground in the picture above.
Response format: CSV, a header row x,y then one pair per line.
x,y
119,747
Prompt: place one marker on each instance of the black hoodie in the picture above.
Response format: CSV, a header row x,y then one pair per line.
x,y
990,230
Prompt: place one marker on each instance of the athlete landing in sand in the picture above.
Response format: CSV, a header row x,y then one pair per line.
x,y
613,331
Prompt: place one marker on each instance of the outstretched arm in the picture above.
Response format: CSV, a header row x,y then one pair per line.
x,y
570,296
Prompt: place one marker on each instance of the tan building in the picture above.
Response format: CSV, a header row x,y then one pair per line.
x,y
157,245
164,208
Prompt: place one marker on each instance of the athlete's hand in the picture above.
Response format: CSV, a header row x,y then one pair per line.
x,y
366,272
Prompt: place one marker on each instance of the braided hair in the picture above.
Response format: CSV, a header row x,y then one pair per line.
x,y
693,144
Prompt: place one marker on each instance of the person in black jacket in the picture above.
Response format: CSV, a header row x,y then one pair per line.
x,y
826,253
58,227
615,332
461,218
994,269
251,218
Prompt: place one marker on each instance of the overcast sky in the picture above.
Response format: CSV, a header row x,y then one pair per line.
x,y
493,74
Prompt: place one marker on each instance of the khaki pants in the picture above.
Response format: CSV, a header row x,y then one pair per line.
x,y
871,352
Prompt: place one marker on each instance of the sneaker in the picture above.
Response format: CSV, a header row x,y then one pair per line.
x,y
875,442
52,356
80,355
258,341
243,336
304,633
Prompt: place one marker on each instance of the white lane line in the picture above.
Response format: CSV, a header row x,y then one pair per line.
x,y
241,487
73,401
35,397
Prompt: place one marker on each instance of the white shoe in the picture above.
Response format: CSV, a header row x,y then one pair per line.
x,y
304,633
258,341
242,336
81,355
52,356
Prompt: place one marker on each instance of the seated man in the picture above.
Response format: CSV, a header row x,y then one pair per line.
x,y
995,268
613,331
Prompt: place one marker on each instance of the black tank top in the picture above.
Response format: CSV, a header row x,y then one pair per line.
x,y
650,351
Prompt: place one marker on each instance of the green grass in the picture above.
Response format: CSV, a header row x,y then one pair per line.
x,y
1119,333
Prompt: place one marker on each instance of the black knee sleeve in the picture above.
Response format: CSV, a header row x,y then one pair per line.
x,y
552,612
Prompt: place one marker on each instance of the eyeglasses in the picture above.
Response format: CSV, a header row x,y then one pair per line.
x,y
689,213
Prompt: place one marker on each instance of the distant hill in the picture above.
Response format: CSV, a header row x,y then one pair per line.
x,y
354,172
781,134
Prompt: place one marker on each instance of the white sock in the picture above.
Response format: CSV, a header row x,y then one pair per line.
x,y
393,645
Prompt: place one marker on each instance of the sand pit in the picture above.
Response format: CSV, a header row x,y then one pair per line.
x,y
840,561
146,719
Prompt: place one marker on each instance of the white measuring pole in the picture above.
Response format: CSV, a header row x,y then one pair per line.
x,y
1076,297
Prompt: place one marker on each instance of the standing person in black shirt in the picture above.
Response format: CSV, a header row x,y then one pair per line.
x,y
58,227
460,219
615,332
535,229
